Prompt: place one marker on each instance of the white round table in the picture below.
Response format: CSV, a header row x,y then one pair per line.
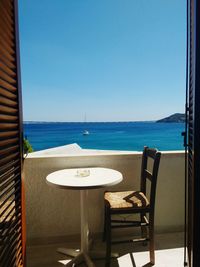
x,y
72,179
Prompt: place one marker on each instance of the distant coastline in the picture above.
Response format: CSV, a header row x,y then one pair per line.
x,y
176,117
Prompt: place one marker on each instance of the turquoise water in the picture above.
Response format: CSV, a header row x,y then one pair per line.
x,y
108,135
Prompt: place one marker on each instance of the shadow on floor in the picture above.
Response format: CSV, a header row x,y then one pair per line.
x,y
46,255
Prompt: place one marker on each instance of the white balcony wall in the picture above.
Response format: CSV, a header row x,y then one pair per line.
x,y
53,213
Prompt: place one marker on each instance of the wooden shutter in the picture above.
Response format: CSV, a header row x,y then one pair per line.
x,y
193,238
10,138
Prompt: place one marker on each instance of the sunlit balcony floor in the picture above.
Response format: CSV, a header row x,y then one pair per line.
x,y
169,252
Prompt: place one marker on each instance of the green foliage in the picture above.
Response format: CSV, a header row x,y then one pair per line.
x,y
27,146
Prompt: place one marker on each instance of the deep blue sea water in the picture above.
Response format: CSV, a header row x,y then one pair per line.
x,y
109,135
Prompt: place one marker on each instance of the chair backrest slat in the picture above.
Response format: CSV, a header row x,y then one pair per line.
x,y
148,174
151,174
151,152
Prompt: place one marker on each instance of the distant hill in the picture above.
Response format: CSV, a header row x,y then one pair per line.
x,y
177,117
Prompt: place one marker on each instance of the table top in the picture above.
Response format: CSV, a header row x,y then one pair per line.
x,y
71,179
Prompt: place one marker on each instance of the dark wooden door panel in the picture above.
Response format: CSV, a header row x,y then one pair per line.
x,y
11,234
193,164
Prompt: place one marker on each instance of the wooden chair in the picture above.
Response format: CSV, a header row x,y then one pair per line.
x,y
134,202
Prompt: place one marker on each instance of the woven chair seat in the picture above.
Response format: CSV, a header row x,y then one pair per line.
x,y
126,199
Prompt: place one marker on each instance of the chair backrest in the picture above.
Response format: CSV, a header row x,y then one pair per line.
x,y
150,172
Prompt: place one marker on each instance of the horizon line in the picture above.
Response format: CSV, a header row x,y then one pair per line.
x,y
32,121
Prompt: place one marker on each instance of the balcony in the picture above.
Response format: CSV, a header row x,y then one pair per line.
x,y
53,215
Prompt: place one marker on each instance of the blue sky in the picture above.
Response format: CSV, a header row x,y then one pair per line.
x,y
115,60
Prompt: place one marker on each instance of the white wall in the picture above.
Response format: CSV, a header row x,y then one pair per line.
x,y
52,213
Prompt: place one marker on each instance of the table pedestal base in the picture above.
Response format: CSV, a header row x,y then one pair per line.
x,y
69,251
80,257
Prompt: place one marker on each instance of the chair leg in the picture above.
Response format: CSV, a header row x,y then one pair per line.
x,y
108,237
104,228
151,239
143,228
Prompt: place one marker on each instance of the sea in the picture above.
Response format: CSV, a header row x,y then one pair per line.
x,y
126,136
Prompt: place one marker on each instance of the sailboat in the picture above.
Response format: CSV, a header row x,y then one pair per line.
x,y
86,132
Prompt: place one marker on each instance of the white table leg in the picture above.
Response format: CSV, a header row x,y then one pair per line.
x,y
83,254
84,221
85,228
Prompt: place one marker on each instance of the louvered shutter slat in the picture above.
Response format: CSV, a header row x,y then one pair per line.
x,y
8,94
8,110
7,86
7,78
7,135
6,54
9,141
6,46
11,249
6,61
6,69
9,159
9,167
8,173
6,186
7,207
8,8
7,14
8,126
7,151
4,34
8,118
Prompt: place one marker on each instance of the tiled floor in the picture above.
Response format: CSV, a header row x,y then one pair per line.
x,y
169,252
164,258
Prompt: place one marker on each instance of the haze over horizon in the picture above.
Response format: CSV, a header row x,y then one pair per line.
x,y
113,60
27,121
